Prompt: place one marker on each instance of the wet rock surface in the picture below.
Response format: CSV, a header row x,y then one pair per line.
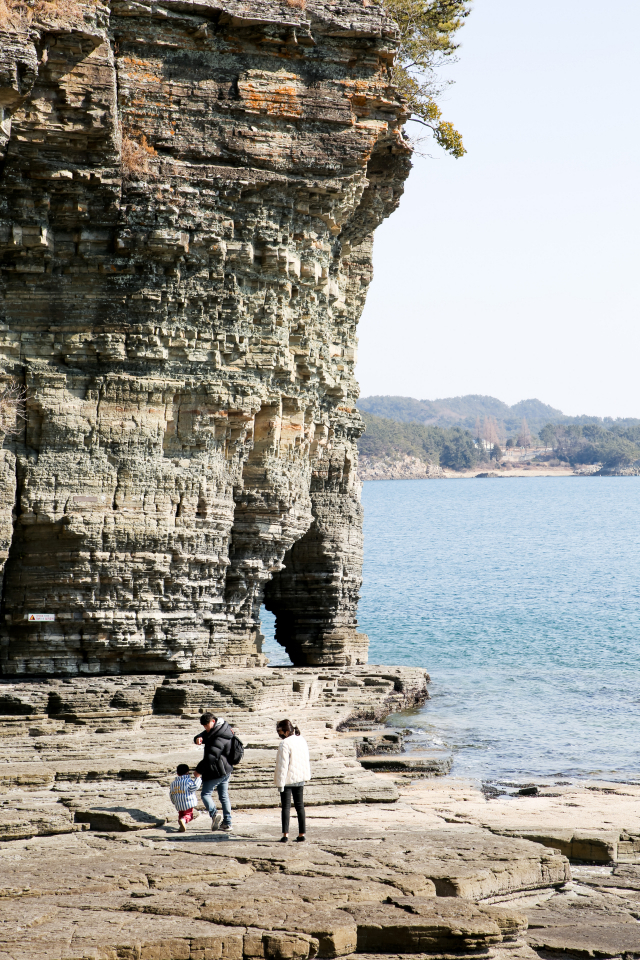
x,y
419,763
592,821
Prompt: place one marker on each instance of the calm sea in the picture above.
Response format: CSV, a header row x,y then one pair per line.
x,y
521,597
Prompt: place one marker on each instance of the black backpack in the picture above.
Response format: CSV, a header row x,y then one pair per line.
x,y
236,751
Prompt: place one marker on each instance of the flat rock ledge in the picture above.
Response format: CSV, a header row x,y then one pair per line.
x,y
101,753
199,895
93,866
432,763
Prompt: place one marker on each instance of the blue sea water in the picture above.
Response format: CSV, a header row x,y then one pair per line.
x,y
521,597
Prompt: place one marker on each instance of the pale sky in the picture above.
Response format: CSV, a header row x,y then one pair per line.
x,y
515,271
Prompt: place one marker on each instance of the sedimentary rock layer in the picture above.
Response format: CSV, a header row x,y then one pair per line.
x,y
93,864
107,873
142,727
188,193
250,897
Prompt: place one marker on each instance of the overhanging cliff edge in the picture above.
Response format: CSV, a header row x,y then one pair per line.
x,y
188,194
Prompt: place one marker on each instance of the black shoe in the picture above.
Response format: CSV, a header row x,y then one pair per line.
x,y
300,839
226,827
215,823
283,840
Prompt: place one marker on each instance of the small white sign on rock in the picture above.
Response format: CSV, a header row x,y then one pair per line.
x,y
39,617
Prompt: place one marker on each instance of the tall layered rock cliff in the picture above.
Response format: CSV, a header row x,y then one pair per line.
x,y
188,193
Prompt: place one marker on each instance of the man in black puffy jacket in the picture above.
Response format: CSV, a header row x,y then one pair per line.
x,y
215,767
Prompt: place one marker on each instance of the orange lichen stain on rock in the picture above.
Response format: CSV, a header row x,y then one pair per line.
x,y
281,102
366,96
274,99
140,104
142,70
353,88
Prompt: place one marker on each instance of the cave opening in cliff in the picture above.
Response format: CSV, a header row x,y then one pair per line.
x,y
276,654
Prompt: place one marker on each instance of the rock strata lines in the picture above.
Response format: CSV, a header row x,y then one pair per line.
x,y
188,193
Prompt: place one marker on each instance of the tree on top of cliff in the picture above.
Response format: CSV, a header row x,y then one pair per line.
x,y
427,30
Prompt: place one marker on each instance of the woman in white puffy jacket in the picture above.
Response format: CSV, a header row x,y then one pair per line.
x,y
292,769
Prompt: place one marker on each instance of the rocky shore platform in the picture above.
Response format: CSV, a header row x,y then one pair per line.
x,y
401,858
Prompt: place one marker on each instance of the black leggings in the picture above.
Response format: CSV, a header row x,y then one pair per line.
x,y
298,802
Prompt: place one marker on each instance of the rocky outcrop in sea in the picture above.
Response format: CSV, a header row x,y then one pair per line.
x,y
402,468
188,198
619,467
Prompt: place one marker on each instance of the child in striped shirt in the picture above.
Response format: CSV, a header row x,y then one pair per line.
x,y
183,795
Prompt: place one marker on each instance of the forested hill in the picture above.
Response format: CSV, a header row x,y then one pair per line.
x,y
443,431
463,411
389,439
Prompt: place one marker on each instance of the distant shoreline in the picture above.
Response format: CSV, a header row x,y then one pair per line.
x,y
542,471
473,474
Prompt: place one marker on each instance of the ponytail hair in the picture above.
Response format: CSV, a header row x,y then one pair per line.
x,y
285,726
